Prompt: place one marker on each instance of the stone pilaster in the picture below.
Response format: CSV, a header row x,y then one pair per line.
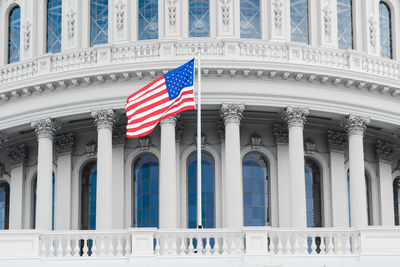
x,y
355,127
64,143
295,118
232,180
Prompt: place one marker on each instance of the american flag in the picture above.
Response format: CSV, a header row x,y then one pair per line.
x,y
164,97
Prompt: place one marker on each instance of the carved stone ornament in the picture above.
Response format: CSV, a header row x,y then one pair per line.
x,y
309,146
64,143
17,155
119,14
45,128
203,140
372,30
104,118
255,141
221,129
91,148
354,124
172,11
118,135
232,113
3,140
178,130
71,22
280,132
26,30
278,7
336,140
327,19
295,116
144,143
225,8
383,150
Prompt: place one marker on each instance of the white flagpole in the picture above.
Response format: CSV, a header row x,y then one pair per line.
x,y
199,223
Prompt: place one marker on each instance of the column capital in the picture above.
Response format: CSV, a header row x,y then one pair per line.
x,y
280,132
232,113
355,124
103,119
295,116
64,143
383,151
45,128
169,120
17,155
3,140
336,140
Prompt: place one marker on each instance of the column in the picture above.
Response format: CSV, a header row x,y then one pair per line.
x,y
45,130
168,206
282,153
384,153
336,141
180,185
355,127
17,157
104,120
232,180
63,181
295,118
219,218
118,175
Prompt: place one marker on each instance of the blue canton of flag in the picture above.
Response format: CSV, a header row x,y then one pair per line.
x,y
179,78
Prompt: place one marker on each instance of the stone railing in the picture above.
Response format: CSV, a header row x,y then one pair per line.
x,y
191,48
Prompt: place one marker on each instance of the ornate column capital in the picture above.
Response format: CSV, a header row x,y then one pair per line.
x,y
232,113
221,130
17,155
178,130
3,140
336,140
354,124
280,132
103,119
295,116
118,135
169,120
45,128
383,151
64,143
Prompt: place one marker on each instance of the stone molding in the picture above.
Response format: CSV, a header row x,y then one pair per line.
x,y
104,119
64,143
355,124
232,113
45,128
281,134
336,140
384,150
17,155
295,116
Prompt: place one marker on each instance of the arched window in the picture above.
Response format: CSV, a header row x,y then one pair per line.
x,y
396,196
14,29
207,190
313,193
34,199
199,18
367,197
345,24
4,205
385,27
146,173
250,19
148,19
255,190
98,22
54,9
299,21
88,196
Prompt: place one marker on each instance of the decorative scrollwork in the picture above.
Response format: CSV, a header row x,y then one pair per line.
x,y
119,14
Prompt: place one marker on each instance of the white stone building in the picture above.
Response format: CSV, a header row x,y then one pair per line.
x,y
300,137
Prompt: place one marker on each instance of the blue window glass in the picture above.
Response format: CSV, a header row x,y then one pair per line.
x,y
54,9
396,196
98,22
88,196
4,205
207,190
255,190
367,189
250,19
146,172
199,18
313,194
385,27
148,19
299,21
34,199
345,24
14,28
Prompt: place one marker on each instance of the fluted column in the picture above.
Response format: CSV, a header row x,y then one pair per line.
x,y
104,120
232,180
45,130
295,118
168,179
355,127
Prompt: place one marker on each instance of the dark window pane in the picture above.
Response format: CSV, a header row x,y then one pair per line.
x,y
54,9
98,22
4,205
14,28
250,19
88,196
313,193
299,20
345,24
396,196
199,18
385,27
148,19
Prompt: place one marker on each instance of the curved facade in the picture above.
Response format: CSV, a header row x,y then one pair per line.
x,y
301,128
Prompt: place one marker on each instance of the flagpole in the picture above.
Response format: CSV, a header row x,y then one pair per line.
x,y
199,215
